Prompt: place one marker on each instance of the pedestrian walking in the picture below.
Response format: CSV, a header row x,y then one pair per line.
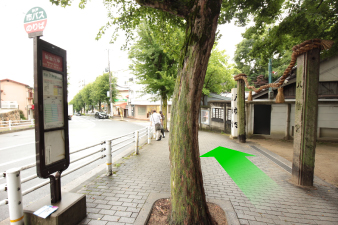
x,y
162,129
156,120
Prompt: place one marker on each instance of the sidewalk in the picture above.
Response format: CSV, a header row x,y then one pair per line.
x,y
119,199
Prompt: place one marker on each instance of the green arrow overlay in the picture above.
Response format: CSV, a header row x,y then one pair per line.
x,y
253,182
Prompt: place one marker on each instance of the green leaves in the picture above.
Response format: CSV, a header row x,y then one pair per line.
x,y
155,55
219,74
94,93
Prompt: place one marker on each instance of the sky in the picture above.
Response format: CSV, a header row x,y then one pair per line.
x,y
74,30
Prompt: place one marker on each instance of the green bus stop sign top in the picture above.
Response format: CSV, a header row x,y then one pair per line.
x,y
35,14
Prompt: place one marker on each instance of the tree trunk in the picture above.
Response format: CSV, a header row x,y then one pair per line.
x,y
187,192
100,106
165,112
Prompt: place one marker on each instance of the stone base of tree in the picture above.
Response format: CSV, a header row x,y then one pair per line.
x,y
145,213
242,138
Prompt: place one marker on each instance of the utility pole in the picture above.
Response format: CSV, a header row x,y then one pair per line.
x,y
110,94
270,95
0,94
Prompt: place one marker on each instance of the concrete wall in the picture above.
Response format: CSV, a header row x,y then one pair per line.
x,y
140,112
328,70
249,111
327,128
149,108
327,121
278,120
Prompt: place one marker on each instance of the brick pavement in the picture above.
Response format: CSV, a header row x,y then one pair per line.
x,y
119,199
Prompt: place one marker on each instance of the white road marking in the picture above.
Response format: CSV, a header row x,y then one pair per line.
x,y
14,146
18,160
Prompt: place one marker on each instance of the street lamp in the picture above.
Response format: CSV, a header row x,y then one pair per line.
x,y
110,94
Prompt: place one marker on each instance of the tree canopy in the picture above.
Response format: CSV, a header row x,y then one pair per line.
x,y
300,21
256,65
94,93
219,75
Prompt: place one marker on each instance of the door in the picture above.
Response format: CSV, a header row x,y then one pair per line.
x,y
262,119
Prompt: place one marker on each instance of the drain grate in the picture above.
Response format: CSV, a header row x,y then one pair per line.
x,y
273,159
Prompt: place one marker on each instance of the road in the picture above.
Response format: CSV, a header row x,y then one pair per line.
x,y
18,149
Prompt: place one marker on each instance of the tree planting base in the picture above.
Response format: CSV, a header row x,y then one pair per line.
x,y
144,214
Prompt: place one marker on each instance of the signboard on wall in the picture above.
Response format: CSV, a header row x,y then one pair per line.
x,y
234,117
205,117
50,99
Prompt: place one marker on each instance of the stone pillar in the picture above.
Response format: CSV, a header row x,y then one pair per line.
x,y
234,120
241,110
306,113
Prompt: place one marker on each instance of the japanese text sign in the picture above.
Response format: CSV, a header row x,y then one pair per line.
x,y
51,61
35,20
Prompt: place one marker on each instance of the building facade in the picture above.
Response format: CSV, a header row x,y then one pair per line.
x,y
17,95
267,118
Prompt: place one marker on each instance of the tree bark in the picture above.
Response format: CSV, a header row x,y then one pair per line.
x,y
165,112
187,192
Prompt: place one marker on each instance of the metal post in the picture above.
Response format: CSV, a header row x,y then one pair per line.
x,y
10,124
136,142
270,93
110,94
149,134
109,158
14,196
55,187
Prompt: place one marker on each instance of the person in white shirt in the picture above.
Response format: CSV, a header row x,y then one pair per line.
x,y
156,120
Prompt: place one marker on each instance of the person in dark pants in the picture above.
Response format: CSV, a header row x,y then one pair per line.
x,y
162,129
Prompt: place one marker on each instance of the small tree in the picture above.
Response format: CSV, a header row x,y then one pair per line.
x,y
218,77
155,61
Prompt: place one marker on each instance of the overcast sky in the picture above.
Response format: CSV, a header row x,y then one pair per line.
x,y
74,30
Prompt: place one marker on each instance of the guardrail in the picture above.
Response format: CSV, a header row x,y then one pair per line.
x,y
16,123
13,185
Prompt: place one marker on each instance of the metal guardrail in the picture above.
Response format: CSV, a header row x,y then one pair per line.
x,y
16,123
112,145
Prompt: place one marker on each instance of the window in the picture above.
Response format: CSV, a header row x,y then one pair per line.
x,y
217,114
205,117
229,114
141,111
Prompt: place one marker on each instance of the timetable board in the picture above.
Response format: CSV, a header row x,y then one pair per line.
x,y
53,100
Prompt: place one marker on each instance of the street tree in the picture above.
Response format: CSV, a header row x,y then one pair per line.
x,y
200,19
219,75
87,95
155,57
255,65
77,102
302,20
100,89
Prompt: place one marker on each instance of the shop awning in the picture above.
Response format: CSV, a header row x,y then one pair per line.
x,y
121,105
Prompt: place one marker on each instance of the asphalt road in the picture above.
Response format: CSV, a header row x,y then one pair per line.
x,y
17,149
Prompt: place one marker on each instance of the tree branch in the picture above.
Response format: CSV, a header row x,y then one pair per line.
x,y
178,8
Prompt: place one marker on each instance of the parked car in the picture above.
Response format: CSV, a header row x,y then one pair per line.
x,y
101,115
78,114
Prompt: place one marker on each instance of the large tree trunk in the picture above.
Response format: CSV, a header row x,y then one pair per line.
x,y
165,112
187,192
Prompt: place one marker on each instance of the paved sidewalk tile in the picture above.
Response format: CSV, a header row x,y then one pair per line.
x,y
119,199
